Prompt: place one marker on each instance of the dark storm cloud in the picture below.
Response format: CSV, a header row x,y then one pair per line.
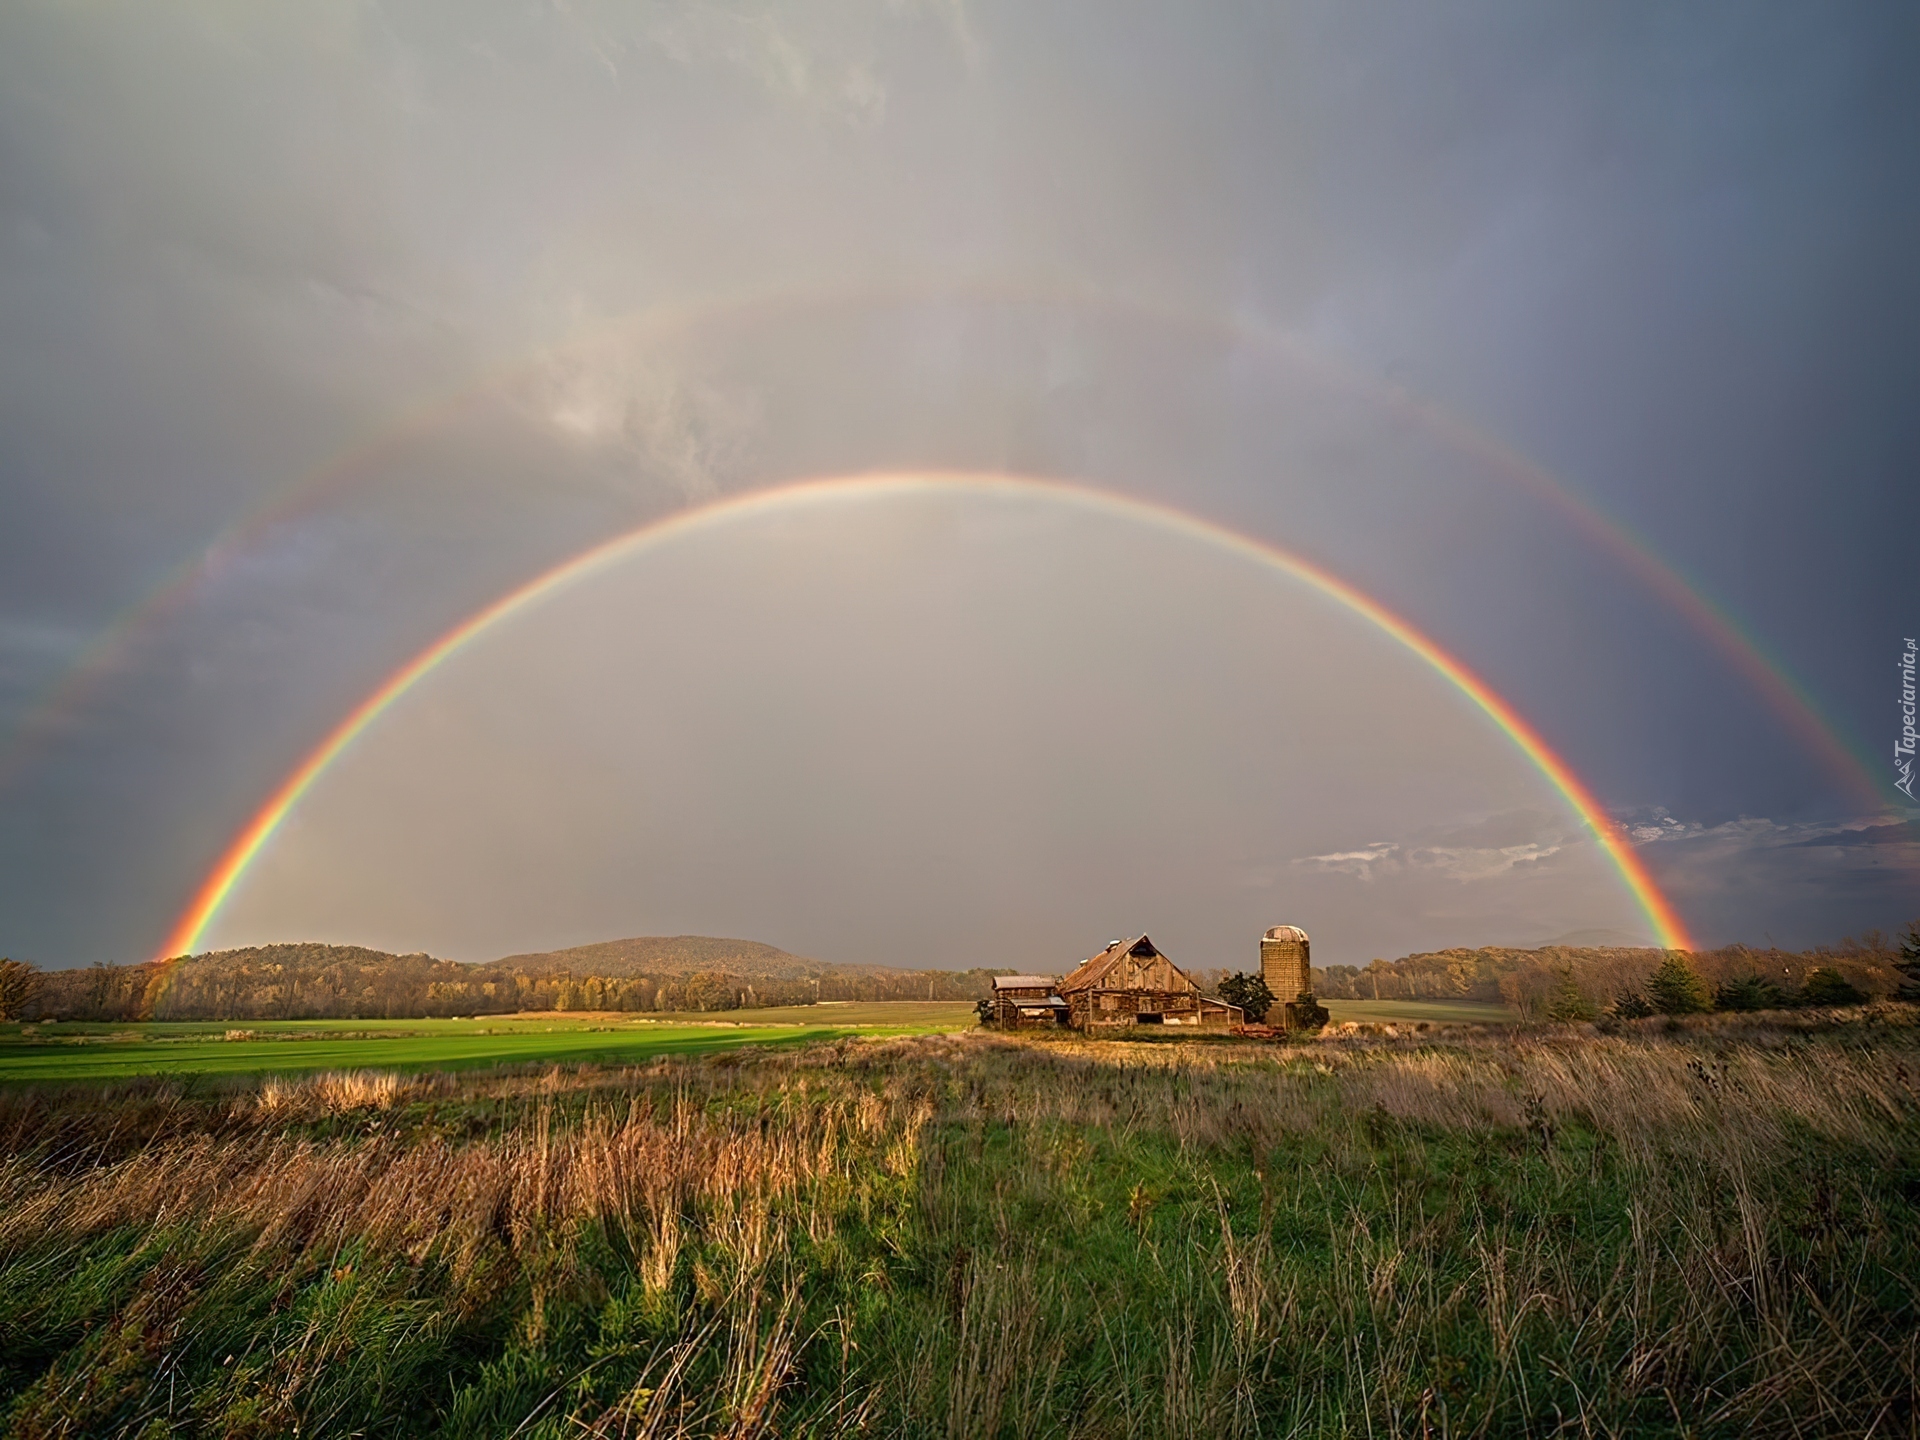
x,y
1667,251
1763,878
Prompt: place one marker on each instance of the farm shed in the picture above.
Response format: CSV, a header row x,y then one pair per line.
x,y
1025,1000
1132,983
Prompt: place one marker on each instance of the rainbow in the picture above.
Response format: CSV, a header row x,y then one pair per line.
x,y
1788,699
185,937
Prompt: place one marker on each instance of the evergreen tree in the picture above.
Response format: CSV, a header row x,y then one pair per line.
x,y
1909,963
1568,1003
1830,987
1632,1005
1749,992
1677,989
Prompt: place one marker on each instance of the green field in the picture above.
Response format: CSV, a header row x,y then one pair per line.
x,y
66,1052
1436,1012
58,1052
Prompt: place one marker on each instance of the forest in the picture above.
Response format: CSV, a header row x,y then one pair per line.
x,y
323,982
1602,976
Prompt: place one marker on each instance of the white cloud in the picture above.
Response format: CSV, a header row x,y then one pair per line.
x,y
1480,863
1482,849
1363,864
825,60
667,425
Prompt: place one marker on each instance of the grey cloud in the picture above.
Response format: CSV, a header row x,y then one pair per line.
x,y
1900,832
1667,253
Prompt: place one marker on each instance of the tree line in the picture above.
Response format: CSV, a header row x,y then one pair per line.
x,y
1558,978
316,982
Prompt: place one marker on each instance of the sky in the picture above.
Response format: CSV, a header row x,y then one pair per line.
x,y
1579,337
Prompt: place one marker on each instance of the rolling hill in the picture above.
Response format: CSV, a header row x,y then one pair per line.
x,y
675,955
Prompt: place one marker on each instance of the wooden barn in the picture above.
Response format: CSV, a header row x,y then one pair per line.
x,y
1024,1001
1132,983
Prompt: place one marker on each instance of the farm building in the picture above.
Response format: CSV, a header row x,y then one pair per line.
x,y
1132,983
1286,964
1024,1000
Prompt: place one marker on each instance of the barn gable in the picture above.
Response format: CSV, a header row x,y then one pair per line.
x,y
1132,982
1135,964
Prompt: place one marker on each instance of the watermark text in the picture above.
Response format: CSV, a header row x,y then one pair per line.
x,y
1903,747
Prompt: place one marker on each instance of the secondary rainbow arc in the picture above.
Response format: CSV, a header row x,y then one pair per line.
x,y
186,935
1787,697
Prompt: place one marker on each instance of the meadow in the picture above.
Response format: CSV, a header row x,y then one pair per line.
x,y
1702,1227
85,1051
1434,1012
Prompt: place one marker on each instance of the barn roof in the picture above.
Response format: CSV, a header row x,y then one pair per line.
x,y
1022,982
1092,970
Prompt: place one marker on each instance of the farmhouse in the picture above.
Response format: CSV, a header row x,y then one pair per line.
x,y
1025,1000
1132,983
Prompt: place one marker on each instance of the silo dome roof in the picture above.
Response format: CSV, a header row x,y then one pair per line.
x,y
1287,932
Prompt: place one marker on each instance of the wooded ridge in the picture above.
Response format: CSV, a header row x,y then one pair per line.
x,y
316,981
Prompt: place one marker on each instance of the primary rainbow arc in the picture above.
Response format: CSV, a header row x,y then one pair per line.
x,y
186,935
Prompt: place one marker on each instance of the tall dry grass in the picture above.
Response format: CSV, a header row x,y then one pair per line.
x,y
1687,1232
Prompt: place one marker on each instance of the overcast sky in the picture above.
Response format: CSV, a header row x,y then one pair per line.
x,y
326,325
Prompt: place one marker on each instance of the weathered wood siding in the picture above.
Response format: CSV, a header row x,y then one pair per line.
x,y
1007,1013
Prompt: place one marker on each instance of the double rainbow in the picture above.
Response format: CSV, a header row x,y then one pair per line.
x,y
186,935
1770,678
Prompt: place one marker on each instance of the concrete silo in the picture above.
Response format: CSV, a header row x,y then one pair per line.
x,y
1286,964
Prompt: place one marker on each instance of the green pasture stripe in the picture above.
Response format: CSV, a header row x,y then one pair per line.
x,y
23,1061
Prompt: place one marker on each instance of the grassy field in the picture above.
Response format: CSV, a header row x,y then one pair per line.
x,y
44,1053
1436,1012
1708,1229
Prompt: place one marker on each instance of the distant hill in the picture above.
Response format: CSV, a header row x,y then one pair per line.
x,y
1594,940
291,981
674,955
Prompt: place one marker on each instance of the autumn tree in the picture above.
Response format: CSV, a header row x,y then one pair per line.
x,y
19,984
1250,993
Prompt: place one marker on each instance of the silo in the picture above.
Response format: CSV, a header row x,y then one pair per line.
x,y
1285,962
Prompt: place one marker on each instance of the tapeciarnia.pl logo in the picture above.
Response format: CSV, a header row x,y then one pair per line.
x,y
1903,747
